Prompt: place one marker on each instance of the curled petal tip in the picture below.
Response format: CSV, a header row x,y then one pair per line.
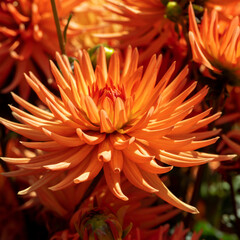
x,y
232,156
24,191
124,198
195,211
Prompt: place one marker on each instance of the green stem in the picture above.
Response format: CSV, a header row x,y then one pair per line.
x,y
58,28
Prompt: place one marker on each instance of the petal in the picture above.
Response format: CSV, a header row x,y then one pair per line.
x,y
116,162
113,182
43,180
104,151
90,137
62,140
137,153
72,161
92,170
166,195
121,141
153,167
134,176
105,123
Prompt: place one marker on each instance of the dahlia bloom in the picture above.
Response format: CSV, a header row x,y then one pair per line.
x,y
118,120
140,212
230,120
27,38
215,47
231,107
143,25
230,142
229,9
179,233
88,19
162,233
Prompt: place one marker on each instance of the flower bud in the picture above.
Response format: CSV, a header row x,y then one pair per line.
x,y
97,224
93,53
173,11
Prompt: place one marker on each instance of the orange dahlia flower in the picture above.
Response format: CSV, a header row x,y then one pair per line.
x,y
27,38
162,233
179,233
230,142
118,120
144,25
229,9
231,107
88,19
139,215
216,48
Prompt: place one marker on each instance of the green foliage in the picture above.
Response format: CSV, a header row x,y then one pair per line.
x,y
211,233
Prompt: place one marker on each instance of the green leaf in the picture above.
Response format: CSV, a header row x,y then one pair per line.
x,y
211,233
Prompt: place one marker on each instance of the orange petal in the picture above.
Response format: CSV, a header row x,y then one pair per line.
x,y
105,122
120,141
90,137
137,153
116,162
105,151
134,176
72,161
166,195
113,182
46,178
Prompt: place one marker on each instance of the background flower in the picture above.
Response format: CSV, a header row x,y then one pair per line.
x,y
143,25
213,46
28,38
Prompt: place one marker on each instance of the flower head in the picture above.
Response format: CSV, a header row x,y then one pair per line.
x,y
118,120
229,9
215,47
102,210
88,19
179,233
144,25
27,38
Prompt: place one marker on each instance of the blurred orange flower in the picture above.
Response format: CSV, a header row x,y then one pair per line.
x,y
144,25
140,212
88,19
118,120
179,233
229,9
214,47
28,38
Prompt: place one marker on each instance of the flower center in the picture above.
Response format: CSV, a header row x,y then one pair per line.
x,y
110,92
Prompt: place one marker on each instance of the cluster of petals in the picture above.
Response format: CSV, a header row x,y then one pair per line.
x,y
230,142
229,9
216,44
27,39
231,108
163,233
143,26
140,212
88,19
116,119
